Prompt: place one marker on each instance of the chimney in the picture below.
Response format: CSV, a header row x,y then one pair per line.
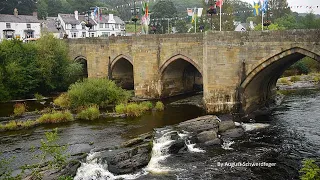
x,y
15,12
251,25
76,15
111,19
35,14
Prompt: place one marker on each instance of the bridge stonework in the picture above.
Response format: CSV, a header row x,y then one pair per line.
x,y
239,69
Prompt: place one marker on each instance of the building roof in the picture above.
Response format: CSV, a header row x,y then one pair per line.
x,y
18,19
70,19
50,25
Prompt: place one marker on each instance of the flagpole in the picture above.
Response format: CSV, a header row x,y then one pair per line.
x,y
195,20
262,19
220,12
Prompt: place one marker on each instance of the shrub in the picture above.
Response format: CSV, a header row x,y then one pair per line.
x,y
38,97
90,113
159,106
121,108
295,78
146,105
55,117
310,170
62,101
19,109
284,81
100,91
134,109
316,79
12,125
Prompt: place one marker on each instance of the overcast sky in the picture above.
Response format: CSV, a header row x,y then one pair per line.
x,y
304,3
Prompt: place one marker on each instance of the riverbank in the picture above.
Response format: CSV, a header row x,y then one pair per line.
x,y
311,80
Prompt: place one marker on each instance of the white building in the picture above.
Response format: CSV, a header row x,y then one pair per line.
x,y
74,25
19,26
244,26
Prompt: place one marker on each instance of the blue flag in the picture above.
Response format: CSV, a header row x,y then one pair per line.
x,y
264,6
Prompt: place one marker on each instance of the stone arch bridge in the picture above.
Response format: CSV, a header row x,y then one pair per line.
x,y
237,70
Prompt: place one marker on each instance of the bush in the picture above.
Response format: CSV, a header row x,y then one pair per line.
x,y
295,78
62,101
134,109
146,105
310,170
159,106
55,117
284,81
19,109
121,108
90,113
38,97
100,91
12,125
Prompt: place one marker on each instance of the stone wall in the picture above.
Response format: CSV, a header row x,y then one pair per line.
x,y
239,69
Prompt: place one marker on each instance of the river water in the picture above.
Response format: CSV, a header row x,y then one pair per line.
x,y
283,139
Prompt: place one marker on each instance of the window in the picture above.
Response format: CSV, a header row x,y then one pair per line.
x,y
73,26
84,34
107,25
92,34
83,26
74,35
28,26
116,26
100,25
105,34
8,25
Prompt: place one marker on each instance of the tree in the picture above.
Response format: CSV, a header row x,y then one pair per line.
x,y
24,7
42,7
181,26
278,8
161,10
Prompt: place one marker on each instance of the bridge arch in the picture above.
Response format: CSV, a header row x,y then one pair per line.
x,y
121,71
179,75
84,62
259,87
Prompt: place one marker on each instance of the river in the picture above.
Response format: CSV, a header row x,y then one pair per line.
x,y
291,134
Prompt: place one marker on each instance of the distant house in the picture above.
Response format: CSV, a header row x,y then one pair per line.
x,y
74,25
244,26
50,25
19,26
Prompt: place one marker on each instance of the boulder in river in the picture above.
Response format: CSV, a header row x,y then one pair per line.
x,y
200,124
207,136
233,133
225,125
216,141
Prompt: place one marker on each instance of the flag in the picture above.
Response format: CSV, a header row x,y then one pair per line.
x,y
219,3
264,7
194,15
256,7
100,15
190,12
95,12
200,12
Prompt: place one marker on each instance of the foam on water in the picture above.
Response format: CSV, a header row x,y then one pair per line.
x,y
191,147
160,152
93,170
226,144
253,126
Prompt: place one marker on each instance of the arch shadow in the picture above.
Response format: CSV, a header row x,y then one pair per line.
x,y
121,71
117,58
265,63
176,57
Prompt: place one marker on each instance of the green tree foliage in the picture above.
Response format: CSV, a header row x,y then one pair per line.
x,y
278,8
181,26
163,9
310,170
28,68
42,8
24,7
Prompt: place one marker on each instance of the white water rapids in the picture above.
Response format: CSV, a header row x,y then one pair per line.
x,y
92,169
